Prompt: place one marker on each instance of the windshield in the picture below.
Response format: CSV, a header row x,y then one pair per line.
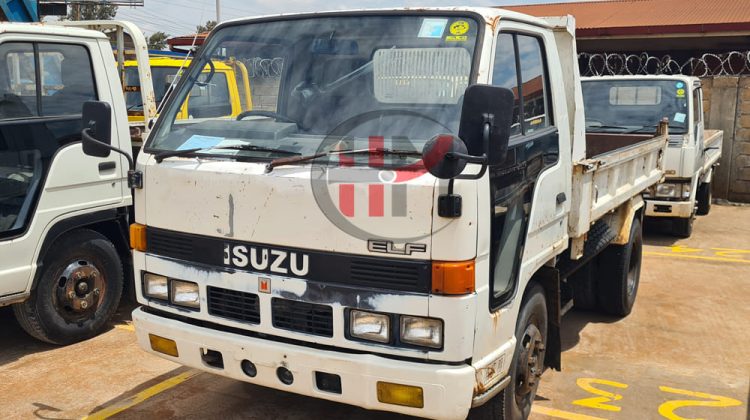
x,y
635,105
397,78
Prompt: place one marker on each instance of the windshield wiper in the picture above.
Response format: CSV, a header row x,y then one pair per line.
x,y
246,147
653,128
610,127
378,151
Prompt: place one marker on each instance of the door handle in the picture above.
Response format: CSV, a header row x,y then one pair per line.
x,y
561,198
106,166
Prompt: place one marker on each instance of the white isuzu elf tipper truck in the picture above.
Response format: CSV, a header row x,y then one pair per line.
x,y
399,223
635,105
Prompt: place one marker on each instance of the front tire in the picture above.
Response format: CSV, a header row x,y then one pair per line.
x,y
514,402
683,228
78,291
704,198
619,274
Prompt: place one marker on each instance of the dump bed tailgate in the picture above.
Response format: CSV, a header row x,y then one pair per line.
x,y
604,182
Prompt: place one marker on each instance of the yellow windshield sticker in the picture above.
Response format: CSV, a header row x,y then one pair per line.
x,y
680,93
459,27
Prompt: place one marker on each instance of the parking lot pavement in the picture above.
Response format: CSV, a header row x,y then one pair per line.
x,y
681,354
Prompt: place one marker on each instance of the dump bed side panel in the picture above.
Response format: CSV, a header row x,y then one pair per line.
x,y
712,142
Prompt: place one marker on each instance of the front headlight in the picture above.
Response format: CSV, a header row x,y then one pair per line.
x,y
155,286
185,293
370,326
425,332
668,190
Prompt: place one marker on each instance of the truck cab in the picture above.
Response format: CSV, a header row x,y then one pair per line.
x,y
64,217
227,95
399,229
635,104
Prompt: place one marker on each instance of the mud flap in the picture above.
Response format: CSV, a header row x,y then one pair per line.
x,y
549,278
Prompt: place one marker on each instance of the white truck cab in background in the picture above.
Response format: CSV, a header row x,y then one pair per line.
x,y
402,226
64,252
635,104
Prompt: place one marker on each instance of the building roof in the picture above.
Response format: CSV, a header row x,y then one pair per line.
x,y
648,17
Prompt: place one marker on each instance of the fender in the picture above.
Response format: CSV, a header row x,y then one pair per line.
x,y
627,213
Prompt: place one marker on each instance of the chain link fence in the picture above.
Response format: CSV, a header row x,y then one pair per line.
x,y
734,63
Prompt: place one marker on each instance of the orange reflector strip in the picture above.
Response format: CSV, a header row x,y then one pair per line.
x,y
138,237
406,395
163,345
453,278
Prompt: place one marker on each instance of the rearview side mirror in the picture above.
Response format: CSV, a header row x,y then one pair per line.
x,y
486,119
96,133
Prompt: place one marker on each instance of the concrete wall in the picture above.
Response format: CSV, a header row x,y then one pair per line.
x,y
726,102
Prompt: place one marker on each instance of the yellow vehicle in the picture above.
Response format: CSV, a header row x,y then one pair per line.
x,y
226,95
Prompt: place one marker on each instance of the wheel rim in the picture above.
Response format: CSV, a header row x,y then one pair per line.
x,y
529,365
79,290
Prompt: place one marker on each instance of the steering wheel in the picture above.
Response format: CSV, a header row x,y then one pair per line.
x,y
269,114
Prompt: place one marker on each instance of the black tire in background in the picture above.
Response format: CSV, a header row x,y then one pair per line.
x,y
514,402
81,266
619,271
683,228
704,198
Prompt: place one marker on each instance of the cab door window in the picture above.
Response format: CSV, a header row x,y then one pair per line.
x,y
519,66
42,89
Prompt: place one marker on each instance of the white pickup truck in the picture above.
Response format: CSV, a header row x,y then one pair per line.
x,y
64,252
635,104
401,231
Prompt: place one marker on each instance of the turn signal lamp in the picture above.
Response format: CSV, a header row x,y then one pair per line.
x,y
453,278
397,394
138,237
163,345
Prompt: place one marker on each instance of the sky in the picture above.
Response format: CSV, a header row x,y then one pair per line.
x,y
180,17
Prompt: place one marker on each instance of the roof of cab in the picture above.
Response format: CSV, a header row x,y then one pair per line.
x,y
43,29
490,15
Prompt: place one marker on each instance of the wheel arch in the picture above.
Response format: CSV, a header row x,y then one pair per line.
x,y
549,279
112,223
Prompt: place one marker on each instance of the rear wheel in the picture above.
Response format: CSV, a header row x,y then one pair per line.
x,y
704,198
78,291
619,273
514,402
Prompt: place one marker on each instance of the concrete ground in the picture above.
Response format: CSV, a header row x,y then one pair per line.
x,y
682,354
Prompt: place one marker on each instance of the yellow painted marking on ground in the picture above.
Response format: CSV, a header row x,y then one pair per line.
x,y
126,327
731,253
604,397
142,396
667,409
697,257
684,249
560,414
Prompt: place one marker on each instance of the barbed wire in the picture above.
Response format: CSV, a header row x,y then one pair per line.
x,y
264,67
734,63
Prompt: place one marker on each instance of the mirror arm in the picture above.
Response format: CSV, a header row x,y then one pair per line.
x,y
135,178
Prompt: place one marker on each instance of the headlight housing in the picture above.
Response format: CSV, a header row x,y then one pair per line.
x,y
155,286
185,293
424,332
668,190
370,326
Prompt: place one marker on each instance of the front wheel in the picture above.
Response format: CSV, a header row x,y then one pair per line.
x,y
514,402
704,198
683,228
78,291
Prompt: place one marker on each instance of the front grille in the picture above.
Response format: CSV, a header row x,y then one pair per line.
x,y
380,273
235,305
163,243
386,275
302,317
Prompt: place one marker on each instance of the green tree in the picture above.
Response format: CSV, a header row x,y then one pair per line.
x,y
91,12
206,28
158,41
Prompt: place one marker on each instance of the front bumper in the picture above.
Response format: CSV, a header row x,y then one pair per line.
x,y
664,208
447,389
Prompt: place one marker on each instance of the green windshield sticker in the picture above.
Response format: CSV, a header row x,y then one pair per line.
x,y
200,142
432,28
